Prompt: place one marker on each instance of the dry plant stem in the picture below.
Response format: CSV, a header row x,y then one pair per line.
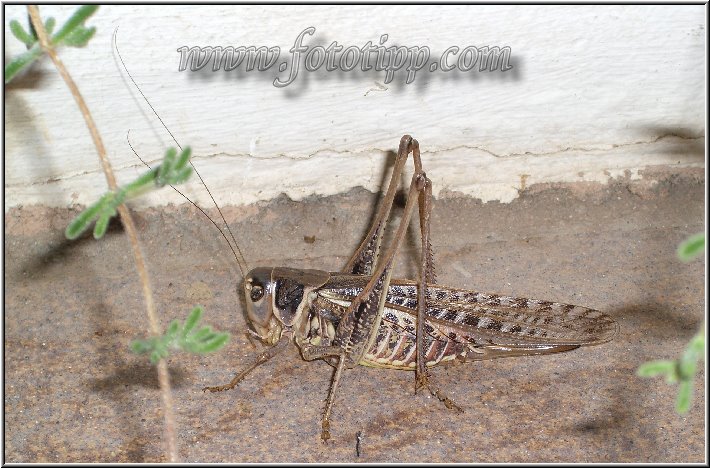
x,y
129,225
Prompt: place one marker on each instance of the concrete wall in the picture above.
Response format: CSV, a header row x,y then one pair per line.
x,y
594,93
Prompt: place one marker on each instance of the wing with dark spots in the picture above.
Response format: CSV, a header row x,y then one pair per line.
x,y
502,325
513,322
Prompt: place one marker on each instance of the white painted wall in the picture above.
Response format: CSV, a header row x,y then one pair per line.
x,y
594,92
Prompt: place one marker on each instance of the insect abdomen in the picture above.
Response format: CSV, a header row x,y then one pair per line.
x,y
395,344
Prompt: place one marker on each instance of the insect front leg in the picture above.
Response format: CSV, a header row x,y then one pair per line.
x,y
326,314
260,359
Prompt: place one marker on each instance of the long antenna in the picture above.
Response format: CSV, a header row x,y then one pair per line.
x,y
239,258
193,204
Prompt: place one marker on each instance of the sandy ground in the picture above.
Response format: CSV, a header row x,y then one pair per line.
x,y
75,393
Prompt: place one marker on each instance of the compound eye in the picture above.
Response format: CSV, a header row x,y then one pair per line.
x,y
256,293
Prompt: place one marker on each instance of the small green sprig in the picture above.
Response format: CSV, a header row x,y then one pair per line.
x,y
73,34
692,247
173,170
681,371
184,337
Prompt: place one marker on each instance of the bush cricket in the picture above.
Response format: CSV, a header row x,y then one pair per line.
x,y
362,316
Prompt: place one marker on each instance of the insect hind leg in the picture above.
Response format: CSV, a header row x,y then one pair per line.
x,y
356,330
365,257
426,276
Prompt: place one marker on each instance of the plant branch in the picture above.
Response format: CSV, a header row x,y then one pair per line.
x,y
129,225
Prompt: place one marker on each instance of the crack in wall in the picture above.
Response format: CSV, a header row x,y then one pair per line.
x,y
601,147
580,149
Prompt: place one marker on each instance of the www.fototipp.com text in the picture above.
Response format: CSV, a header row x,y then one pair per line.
x,y
337,57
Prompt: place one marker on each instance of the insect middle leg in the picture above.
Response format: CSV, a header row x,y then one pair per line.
x,y
318,352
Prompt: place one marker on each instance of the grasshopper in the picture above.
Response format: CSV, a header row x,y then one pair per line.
x,y
361,316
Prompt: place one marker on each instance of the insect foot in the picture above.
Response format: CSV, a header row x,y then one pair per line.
x,y
422,381
213,389
229,386
220,388
325,432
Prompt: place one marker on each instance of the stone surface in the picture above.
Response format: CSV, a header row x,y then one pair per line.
x,y
74,392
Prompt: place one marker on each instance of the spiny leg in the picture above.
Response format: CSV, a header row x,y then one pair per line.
x,y
365,256
425,204
312,352
426,276
325,422
358,327
260,359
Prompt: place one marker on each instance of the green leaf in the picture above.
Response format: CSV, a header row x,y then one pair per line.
x,y
170,155
192,320
153,345
79,37
106,207
655,368
681,371
685,393
104,210
687,368
674,377
174,169
695,350
102,225
201,334
180,336
141,346
172,332
216,342
79,16
142,184
21,61
206,338
166,167
158,354
72,32
691,247
118,198
181,176
49,25
184,157
697,344
203,341
19,32
81,222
